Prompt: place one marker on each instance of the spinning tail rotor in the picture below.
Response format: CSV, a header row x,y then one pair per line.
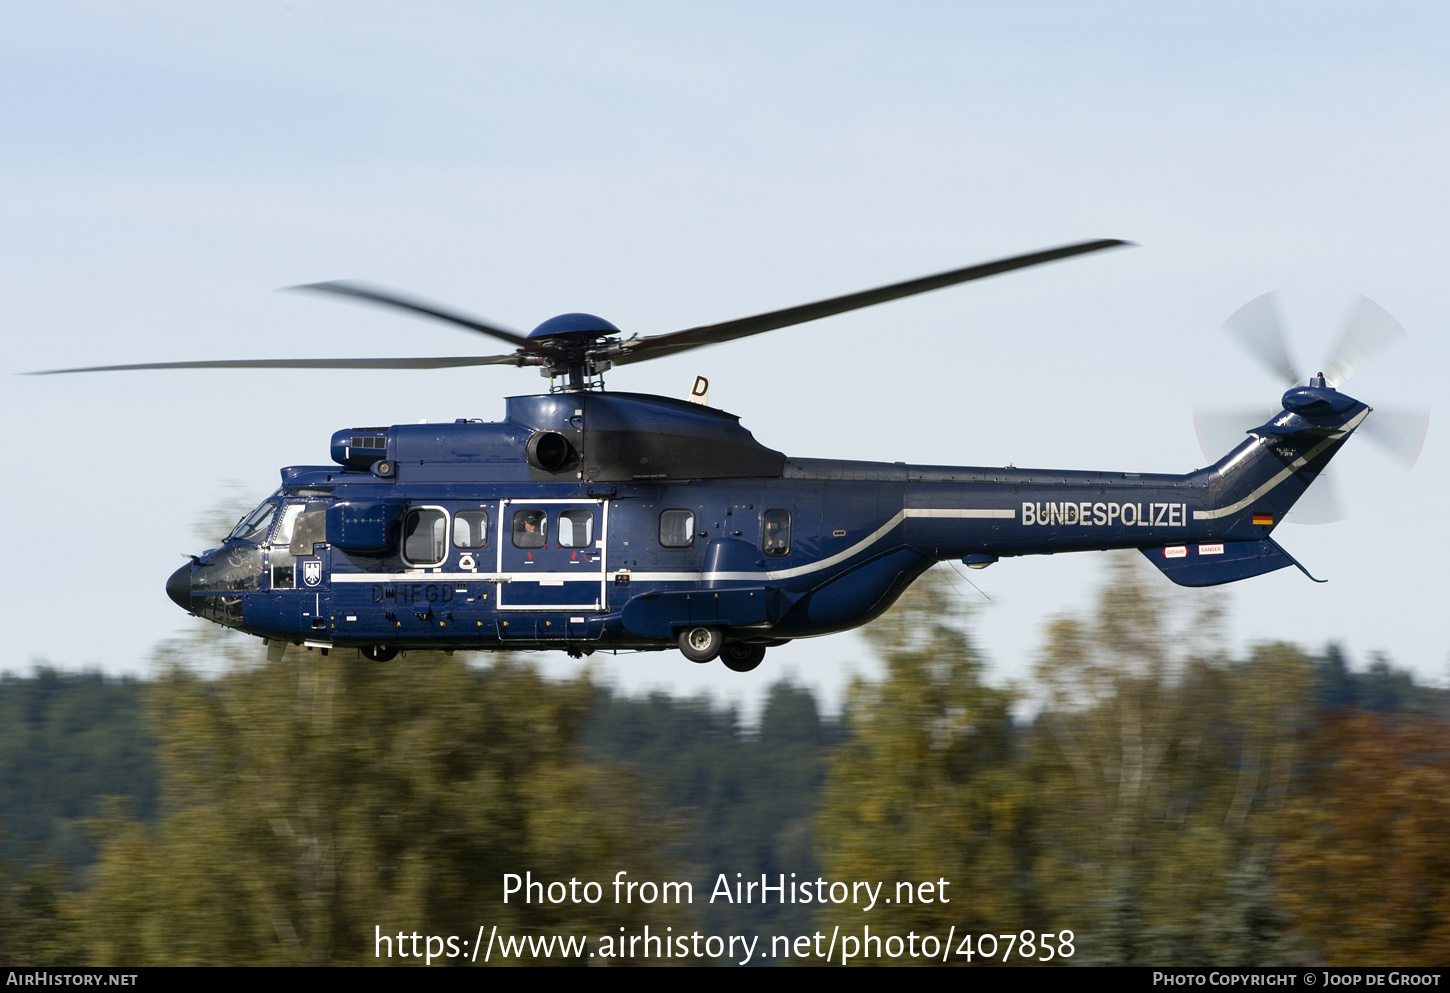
x,y
1367,331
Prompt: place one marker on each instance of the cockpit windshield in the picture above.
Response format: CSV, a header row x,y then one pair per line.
x,y
254,526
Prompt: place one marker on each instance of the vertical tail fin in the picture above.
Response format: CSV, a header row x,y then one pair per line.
x,y
1252,488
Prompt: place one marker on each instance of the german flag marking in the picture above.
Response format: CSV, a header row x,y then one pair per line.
x,y
1263,519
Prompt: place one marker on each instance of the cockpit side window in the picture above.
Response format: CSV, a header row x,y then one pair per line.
x,y
310,529
254,526
425,536
288,520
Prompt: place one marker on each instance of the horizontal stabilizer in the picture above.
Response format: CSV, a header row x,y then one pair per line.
x,y
1213,564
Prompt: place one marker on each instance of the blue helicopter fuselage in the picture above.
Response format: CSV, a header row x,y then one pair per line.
x,y
587,521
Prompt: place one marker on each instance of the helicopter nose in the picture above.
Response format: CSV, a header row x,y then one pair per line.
x,y
178,587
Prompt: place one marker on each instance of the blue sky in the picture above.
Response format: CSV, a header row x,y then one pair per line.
x,y
163,169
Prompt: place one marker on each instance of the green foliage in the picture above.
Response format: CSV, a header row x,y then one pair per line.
x,y
1139,810
1365,863
33,926
1162,770
743,802
1381,687
925,785
65,740
311,800
1169,804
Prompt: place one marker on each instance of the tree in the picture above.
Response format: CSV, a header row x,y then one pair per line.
x,y
924,787
1162,771
33,927
309,801
744,801
1365,866
65,740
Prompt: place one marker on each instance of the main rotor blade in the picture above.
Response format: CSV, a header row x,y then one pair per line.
x,y
1256,326
404,363
1402,432
1368,329
657,346
388,298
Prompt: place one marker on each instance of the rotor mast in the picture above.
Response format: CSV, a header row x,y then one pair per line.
x,y
582,376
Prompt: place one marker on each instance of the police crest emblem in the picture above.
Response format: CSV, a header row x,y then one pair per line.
x,y
312,572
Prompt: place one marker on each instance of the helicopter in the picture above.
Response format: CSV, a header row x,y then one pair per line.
x,y
589,520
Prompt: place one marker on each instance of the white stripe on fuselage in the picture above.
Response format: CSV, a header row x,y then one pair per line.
x,y
972,513
1285,473
464,577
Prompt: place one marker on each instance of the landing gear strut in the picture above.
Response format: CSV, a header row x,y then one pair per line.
x,y
379,653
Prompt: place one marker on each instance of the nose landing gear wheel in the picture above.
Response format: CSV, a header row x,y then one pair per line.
x,y
739,657
379,653
701,644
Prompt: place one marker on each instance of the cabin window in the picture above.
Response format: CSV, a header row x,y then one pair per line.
x,y
425,534
254,526
576,529
530,528
677,528
470,529
776,537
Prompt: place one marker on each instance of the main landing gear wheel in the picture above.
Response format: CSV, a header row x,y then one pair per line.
x,y
740,657
701,644
379,653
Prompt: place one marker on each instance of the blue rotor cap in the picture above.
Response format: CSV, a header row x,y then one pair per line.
x,y
574,325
